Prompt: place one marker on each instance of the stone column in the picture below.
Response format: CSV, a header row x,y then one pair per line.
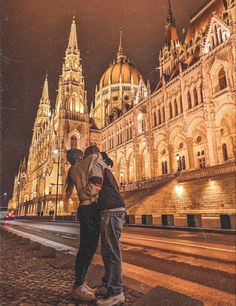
x,y
219,147
155,163
212,147
171,158
190,152
126,171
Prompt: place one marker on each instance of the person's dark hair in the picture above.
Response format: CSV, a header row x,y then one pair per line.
x,y
91,150
73,155
107,160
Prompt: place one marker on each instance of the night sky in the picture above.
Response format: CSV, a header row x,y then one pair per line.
x,y
34,38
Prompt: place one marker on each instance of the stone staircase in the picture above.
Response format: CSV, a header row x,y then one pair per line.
x,y
134,194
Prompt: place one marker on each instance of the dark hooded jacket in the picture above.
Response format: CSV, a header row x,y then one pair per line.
x,y
109,196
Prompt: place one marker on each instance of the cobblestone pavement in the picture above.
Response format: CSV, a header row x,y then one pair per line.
x,y
26,280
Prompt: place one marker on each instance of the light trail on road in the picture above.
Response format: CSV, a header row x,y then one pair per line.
x,y
201,269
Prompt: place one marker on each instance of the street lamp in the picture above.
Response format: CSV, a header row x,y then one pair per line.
x,y
18,197
178,162
5,199
57,152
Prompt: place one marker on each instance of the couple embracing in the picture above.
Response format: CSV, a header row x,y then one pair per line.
x,y
101,211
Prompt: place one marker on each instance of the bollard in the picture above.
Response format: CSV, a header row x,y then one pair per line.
x,y
33,246
45,252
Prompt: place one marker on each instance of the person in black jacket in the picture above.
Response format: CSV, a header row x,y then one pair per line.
x,y
112,212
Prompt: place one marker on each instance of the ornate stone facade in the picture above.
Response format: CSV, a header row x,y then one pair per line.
x,y
186,123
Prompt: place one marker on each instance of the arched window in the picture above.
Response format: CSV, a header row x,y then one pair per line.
x,y
222,79
181,105
73,142
189,100
170,110
220,35
201,159
141,123
176,108
154,119
216,35
166,168
195,97
159,117
224,151
201,93
163,113
183,163
163,168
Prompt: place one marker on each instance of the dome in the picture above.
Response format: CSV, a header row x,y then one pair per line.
x,y
120,72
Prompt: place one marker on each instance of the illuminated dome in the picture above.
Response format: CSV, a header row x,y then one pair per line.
x,y
120,72
118,90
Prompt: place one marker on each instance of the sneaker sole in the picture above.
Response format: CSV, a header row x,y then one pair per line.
x,y
82,299
118,303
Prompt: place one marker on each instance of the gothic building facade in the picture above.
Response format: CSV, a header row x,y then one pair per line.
x,y
187,123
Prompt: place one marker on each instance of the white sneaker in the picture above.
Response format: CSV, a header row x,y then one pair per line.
x,y
82,293
112,300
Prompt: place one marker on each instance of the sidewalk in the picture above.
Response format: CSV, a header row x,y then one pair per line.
x,y
26,280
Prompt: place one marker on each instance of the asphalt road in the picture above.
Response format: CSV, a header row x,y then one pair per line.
x,y
201,265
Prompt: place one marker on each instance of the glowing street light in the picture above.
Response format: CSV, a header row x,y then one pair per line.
x,y
57,152
178,162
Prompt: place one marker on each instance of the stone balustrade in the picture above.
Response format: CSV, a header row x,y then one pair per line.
x,y
226,168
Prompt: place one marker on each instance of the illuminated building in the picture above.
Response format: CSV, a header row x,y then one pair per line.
x,y
187,123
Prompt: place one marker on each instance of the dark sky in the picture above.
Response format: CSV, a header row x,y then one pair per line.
x,y
34,38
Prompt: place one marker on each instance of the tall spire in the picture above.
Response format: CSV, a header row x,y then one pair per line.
x,y
73,44
44,105
121,57
170,18
45,95
170,29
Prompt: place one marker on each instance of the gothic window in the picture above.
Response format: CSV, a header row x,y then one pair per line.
x,y
154,119
201,159
73,142
183,163
163,167
170,110
195,97
131,132
141,123
163,113
220,35
201,93
181,105
222,79
189,100
224,151
216,36
159,117
166,169
176,108
73,102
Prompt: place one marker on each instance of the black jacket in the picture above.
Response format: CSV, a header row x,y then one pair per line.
x,y
109,195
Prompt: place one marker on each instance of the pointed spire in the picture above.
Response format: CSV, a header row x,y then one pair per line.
x,y
170,29
45,95
170,18
121,57
73,44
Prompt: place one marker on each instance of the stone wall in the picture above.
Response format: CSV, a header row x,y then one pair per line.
x,y
209,197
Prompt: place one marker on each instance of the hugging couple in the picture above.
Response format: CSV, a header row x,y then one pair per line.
x,y
101,211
